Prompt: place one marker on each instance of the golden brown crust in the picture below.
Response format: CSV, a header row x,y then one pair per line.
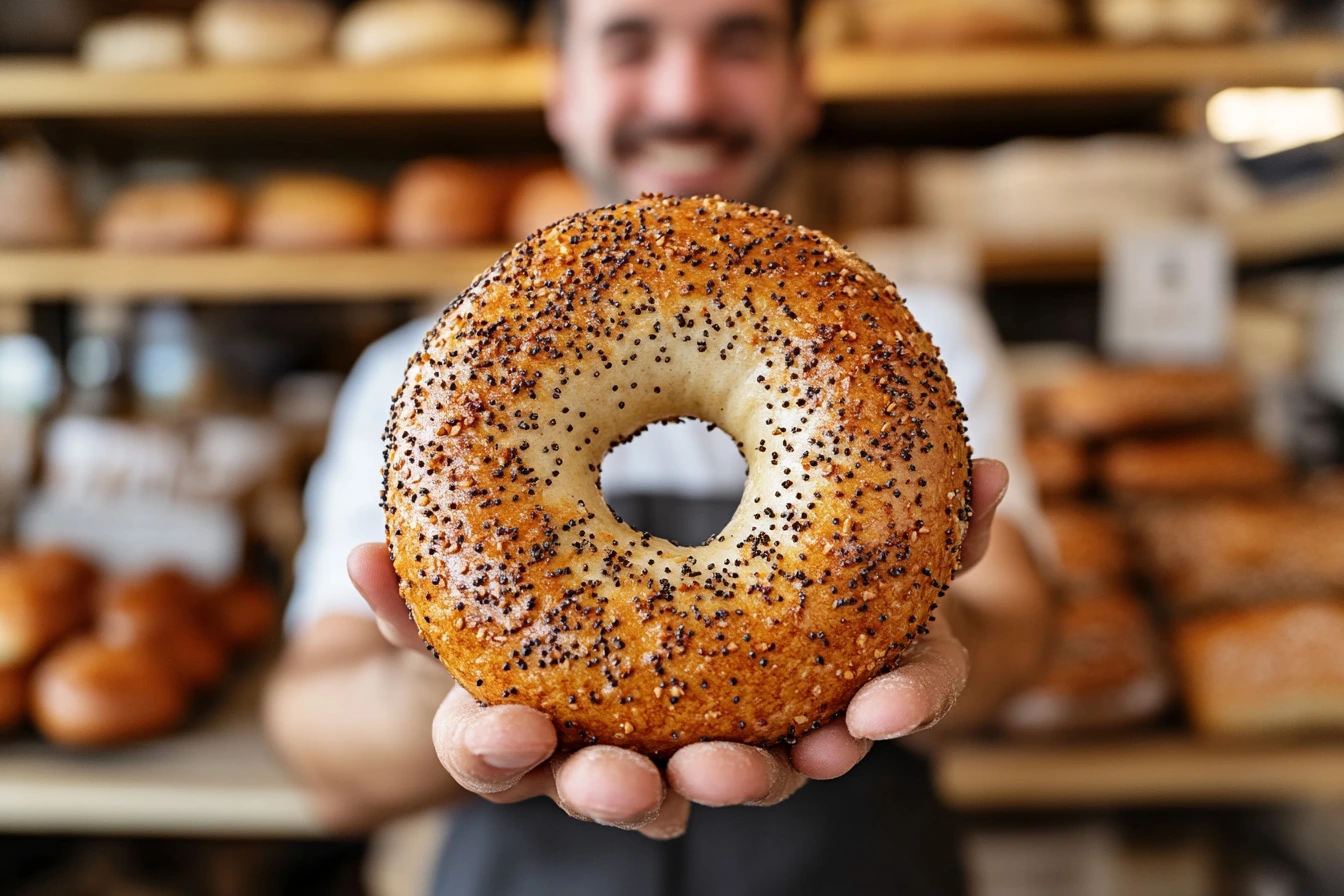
x,y
1103,402
1268,669
41,601
170,217
298,212
152,611
90,694
1091,543
444,202
1190,466
1231,550
1060,466
13,698
856,503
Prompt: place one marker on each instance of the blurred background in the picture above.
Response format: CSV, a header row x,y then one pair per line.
x,y
204,219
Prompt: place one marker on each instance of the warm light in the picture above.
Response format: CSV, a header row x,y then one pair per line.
x,y
1266,120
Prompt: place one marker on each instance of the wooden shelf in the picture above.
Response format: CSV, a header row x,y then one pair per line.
x,y
217,778
229,274
1156,771
515,80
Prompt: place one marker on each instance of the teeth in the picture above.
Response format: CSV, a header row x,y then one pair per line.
x,y
682,158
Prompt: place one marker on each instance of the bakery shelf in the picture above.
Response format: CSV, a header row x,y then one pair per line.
x,y
218,778
232,273
1152,771
515,80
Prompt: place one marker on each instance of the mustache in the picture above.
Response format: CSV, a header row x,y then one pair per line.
x,y
628,138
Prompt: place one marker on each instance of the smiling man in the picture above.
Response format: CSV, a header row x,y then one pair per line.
x,y
677,96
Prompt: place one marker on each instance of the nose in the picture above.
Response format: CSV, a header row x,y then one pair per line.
x,y
680,85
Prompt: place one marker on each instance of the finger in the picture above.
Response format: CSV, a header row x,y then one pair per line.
x,y
671,820
609,785
828,752
989,483
915,695
719,773
371,572
489,749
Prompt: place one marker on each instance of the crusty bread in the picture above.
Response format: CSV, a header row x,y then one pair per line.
x,y
1104,402
312,212
1091,543
1061,467
262,32
857,495
1190,467
440,202
169,216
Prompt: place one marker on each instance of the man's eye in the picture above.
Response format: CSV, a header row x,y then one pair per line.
x,y
742,44
625,49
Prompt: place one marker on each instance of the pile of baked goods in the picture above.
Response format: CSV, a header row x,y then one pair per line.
x,y
289,32
94,660
431,203
1153,482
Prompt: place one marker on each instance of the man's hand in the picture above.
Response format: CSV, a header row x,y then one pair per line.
x,y
507,753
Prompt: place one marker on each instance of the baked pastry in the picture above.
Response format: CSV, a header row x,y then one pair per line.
x,y
1091,543
136,42
36,206
1105,402
168,217
243,612
904,23
312,212
152,612
1194,466
1061,467
36,609
542,198
13,698
1105,670
443,202
1226,550
262,32
857,496
1273,669
87,693
385,31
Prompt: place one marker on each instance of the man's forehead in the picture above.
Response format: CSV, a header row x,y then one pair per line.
x,y
598,15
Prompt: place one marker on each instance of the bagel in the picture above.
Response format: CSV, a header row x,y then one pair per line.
x,y
531,591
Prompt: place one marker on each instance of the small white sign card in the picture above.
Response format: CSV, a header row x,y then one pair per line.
x,y
1167,294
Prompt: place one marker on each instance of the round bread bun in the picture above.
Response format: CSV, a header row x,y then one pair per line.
x,y
35,610
383,31
136,42
312,212
542,198
169,216
36,206
244,613
857,497
150,611
88,693
443,202
262,32
13,698
1061,466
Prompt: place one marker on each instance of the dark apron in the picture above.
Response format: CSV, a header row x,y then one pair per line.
x,y
878,829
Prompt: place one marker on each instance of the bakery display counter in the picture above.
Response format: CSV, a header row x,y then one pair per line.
x,y
515,80
1144,770
218,778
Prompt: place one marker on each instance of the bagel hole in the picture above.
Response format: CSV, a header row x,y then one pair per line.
x,y
680,481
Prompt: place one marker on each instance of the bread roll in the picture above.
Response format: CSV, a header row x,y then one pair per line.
x,y
904,23
312,212
1190,467
383,31
13,698
542,198
1105,670
244,613
35,612
1091,542
1227,550
36,206
88,693
152,612
1274,669
443,202
262,32
1104,402
136,42
171,216
1060,466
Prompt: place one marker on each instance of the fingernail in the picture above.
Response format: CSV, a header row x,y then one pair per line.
x,y
484,743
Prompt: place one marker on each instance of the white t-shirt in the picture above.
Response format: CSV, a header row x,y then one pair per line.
x,y
341,501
